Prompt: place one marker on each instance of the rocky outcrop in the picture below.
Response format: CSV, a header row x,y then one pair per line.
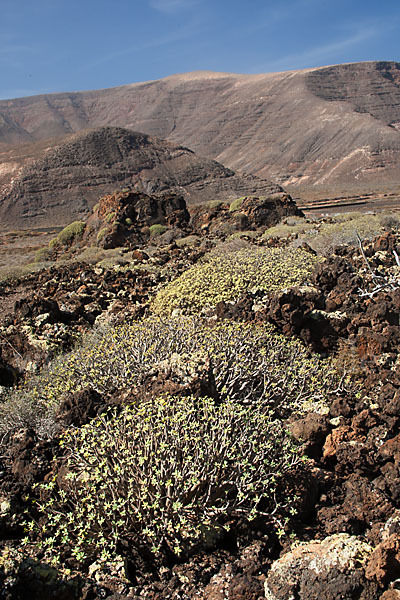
x,y
331,569
245,213
132,219
126,219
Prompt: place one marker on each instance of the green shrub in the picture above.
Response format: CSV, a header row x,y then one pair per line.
x,y
250,364
189,240
226,277
128,221
53,243
165,474
283,230
72,231
236,204
102,233
214,203
157,229
42,255
91,255
110,218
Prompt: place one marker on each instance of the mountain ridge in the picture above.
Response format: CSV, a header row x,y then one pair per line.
x,y
328,127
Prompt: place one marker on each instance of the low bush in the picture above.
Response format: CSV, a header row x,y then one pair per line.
x,y
284,230
53,243
91,255
157,229
236,204
102,233
189,240
225,277
42,255
110,218
72,231
163,474
214,203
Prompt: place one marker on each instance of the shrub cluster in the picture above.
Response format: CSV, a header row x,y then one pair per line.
x,y
251,364
163,474
226,277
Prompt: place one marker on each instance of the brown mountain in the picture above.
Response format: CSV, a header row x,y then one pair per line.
x,y
56,183
331,127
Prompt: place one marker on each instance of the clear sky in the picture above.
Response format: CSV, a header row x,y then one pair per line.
x,y
67,45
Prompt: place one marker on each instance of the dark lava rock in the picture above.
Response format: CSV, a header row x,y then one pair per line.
x,y
253,213
124,218
311,430
77,409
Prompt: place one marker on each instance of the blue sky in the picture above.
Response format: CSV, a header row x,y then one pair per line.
x,y
67,45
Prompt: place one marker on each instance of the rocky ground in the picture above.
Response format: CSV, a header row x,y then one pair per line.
x,y
347,525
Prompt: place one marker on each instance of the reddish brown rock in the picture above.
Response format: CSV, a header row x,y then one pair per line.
x,y
391,595
384,563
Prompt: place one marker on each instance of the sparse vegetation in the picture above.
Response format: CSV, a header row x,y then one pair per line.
x,y
341,230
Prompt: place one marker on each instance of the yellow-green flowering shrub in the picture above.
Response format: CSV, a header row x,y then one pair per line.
x,y
102,233
163,474
226,277
42,255
250,364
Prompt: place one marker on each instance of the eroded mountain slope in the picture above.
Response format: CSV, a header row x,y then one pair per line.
x,y
66,179
327,127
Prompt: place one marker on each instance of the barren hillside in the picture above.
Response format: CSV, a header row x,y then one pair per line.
x,y
60,182
327,127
